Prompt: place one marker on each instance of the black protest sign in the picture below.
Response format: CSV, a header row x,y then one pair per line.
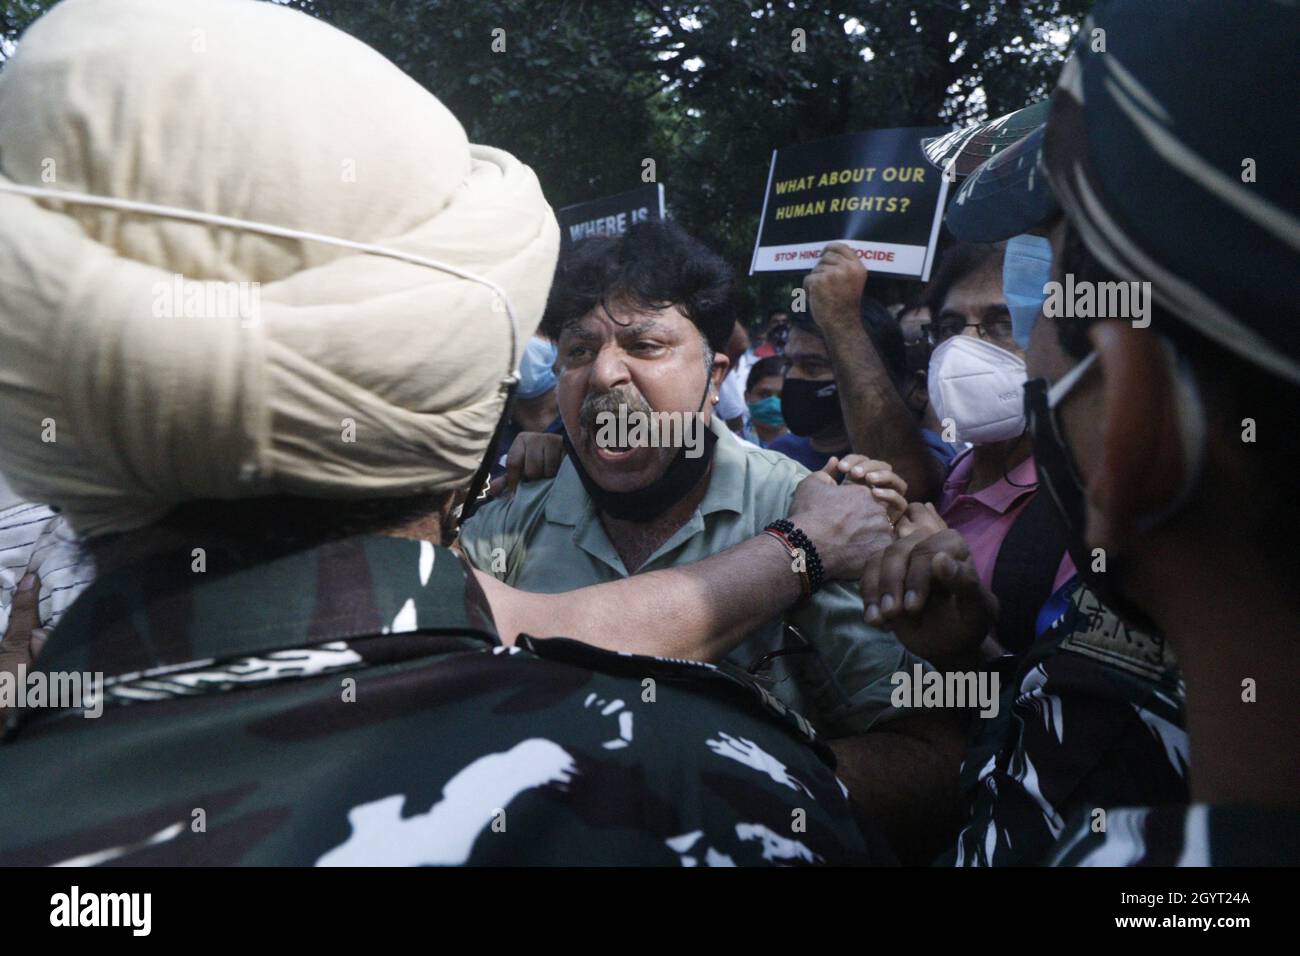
x,y
874,191
611,216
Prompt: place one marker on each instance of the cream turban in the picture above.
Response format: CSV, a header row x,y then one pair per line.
x,y
146,361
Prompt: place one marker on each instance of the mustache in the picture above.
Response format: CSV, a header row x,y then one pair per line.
x,y
596,403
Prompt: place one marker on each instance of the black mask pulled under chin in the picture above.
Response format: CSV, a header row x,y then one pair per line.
x,y
646,504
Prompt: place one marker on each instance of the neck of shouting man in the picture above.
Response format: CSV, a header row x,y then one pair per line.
x,y
635,541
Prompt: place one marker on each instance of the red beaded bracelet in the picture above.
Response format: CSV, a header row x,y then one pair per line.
x,y
797,563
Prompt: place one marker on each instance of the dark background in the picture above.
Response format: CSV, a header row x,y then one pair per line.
x,y
588,89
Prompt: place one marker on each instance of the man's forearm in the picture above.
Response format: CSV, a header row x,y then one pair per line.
x,y
904,777
699,612
878,421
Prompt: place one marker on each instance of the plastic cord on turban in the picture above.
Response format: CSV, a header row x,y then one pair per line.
x,y
148,359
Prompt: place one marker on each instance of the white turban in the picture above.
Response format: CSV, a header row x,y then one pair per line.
x,y
130,379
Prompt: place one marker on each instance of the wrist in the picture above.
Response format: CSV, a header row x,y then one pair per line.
x,y
788,586
839,318
805,559
832,558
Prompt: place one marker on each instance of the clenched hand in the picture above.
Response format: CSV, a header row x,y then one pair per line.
x,y
835,285
845,522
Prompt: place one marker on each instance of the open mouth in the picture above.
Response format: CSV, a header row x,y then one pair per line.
x,y
613,454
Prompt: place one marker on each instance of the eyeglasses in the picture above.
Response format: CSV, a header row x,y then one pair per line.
x,y
997,330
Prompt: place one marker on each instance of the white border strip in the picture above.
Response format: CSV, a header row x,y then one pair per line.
x,y
906,260
934,229
763,215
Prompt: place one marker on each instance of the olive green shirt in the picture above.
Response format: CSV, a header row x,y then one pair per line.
x,y
548,538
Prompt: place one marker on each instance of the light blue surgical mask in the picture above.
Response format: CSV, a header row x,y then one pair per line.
x,y
1026,269
536,370
767,411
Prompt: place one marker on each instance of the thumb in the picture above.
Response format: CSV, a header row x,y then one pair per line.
x,y
514,468
24,617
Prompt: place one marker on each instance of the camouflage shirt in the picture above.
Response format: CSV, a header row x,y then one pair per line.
x,y
1093,716
353,705
1195,835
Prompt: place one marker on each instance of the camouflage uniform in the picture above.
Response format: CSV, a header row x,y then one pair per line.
x,y
1093,716
1195,835
228,735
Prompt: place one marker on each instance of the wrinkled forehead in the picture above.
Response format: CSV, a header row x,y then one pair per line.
x,y
621,322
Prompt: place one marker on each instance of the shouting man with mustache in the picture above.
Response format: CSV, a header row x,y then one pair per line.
x,y
651,479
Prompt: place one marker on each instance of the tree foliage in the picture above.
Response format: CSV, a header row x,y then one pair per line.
x,y
586,90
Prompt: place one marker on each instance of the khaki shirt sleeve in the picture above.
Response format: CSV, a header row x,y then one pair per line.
x,y
849,683
493,540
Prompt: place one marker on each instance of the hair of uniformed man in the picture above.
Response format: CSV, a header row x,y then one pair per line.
x,y
253,531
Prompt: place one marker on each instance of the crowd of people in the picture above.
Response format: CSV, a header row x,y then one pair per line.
x,y
997,575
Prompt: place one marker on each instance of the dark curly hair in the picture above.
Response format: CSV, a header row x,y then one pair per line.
x,y
882,329
651,266
773,365
958,262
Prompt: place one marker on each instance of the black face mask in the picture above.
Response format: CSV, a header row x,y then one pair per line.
x,y
1059,477
810,407
778,336
646,504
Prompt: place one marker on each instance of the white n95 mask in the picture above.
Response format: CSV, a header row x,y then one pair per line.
x,y
979,387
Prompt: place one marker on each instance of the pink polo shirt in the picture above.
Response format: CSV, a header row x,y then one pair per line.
x,y
985,517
